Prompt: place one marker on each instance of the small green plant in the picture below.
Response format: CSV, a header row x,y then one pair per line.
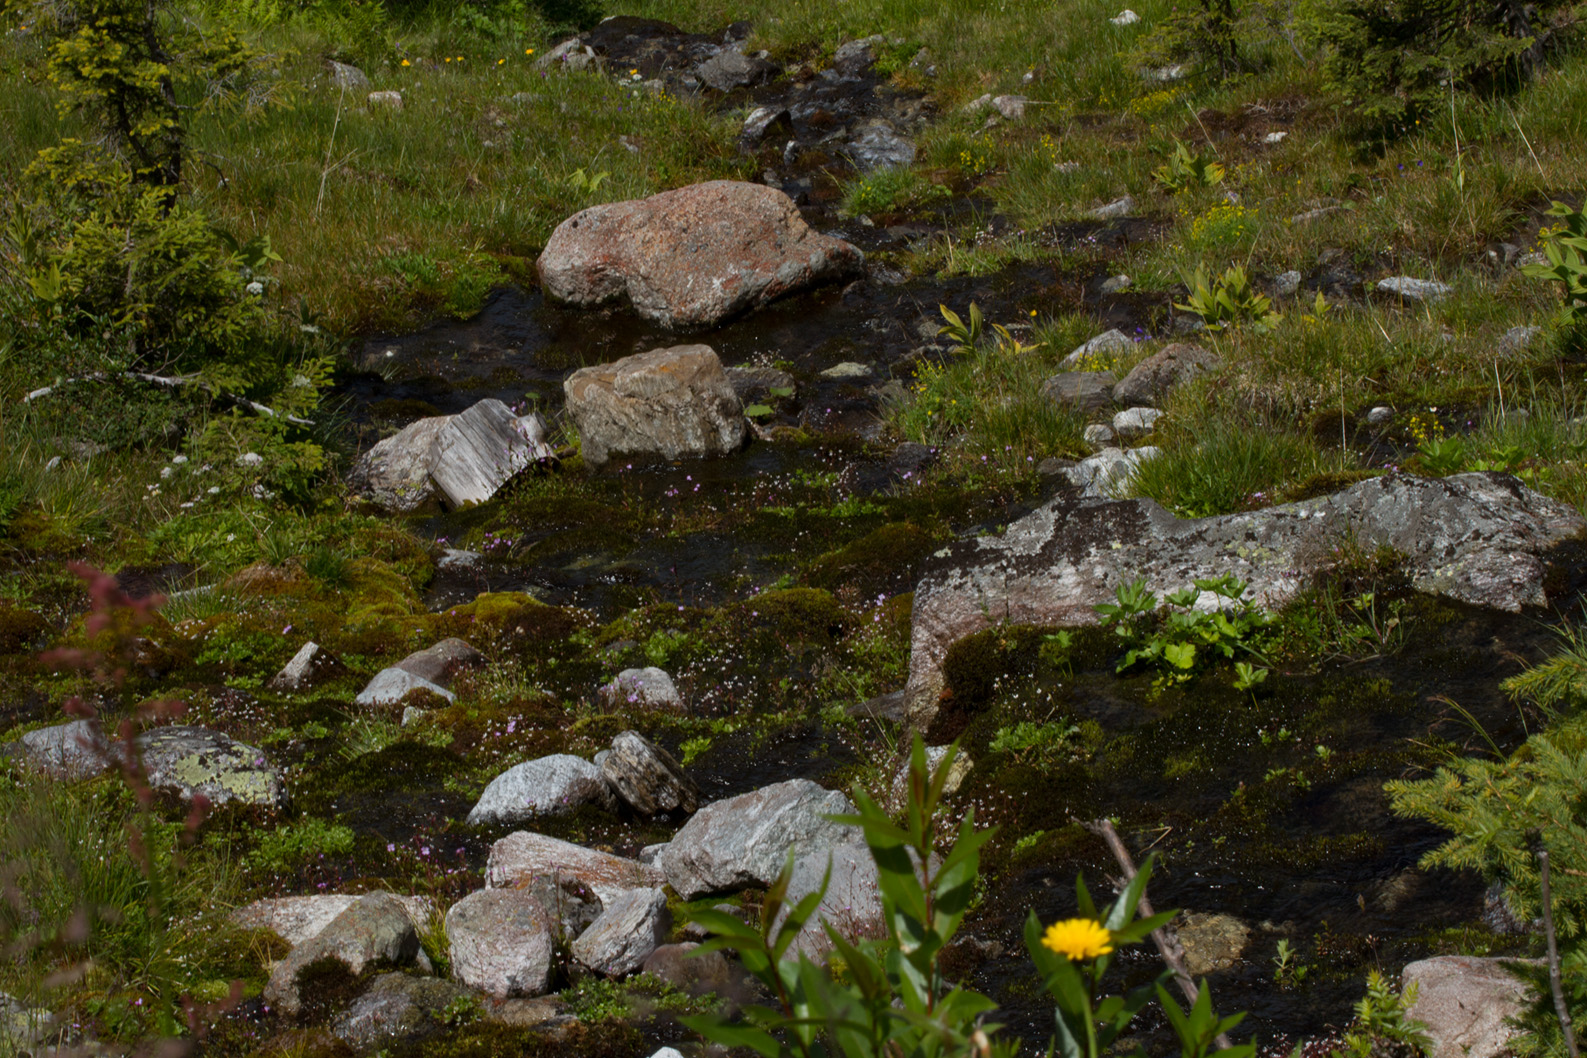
x,y
1228,301
1040,745
1382,1027
1174,643
1441,456
1289,972
292,845
464,1010
1185,170
691,748
965,335
1565,246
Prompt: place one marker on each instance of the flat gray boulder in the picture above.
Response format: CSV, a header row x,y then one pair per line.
x,y
647,777
191,761
553,785
634,924
1109,472
730,68
376,929
68,752
1476,538
1464,1002
462,458
1409,289
744,841
674,403
1085,391
646,688
520,858
502,942
1151,380
692,257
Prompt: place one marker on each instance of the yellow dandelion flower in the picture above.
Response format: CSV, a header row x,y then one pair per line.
x,y
405,62
501,62
1078,938
528,51
448,58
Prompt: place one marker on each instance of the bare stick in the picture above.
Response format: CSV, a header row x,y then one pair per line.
x,y
1167,944
1553,956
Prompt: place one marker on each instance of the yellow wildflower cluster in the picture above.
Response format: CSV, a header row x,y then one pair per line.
x,y
1153,103
1425,430
976,160
1223,223
1049,147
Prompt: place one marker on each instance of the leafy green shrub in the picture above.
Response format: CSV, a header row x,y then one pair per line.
x,y
1204,32
1038,744
1184,170
1382,1027
290,846
1177,640
1565,246
1228,300
1396,59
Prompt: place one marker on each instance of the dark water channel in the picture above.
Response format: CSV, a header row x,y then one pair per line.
x,y
1252,818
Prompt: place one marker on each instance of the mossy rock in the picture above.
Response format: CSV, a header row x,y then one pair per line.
x,y
786,617
400,766
510,618
22,631
889,558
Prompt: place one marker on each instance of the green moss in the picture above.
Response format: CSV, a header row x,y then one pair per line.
x,y
888,557
22,631
401,766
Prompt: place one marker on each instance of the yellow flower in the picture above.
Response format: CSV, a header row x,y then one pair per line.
x,y
404,62
528,51
1078,938
501,62
448,58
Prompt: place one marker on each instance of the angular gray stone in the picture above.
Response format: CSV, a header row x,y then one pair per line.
x,y
1286,284
1115,285
1414,289
197,761
1125,18
1085,391
396,1007
646,688
390,686
1114,341
675,403
502,942
695,974
431,669
743,841
1476,538
348,78
852,57
632,926
1011,107
762,120
1109,472
1518,339
730,68
463,458
376,929
387,100
1464,1002
1119,207
312,664
1150,381
1098,436
647,777
1133,423
847,369
68,752
852,903
296,919
553,785
519,858
692,257
877,144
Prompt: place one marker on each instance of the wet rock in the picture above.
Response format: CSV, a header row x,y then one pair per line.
x,y
384,100
1464,1002
852,58
502,942
455,560
1119,207
464,458
910,459
431,669
694,256
1211,942
647,777
1151,380
1286,285
67,752
647,688
348,78
1114,342
760,122
396,1007
197,761
1011,107
1098,436
553,785
743,841
296,919
631,927
676,403
1518,339
1476,538
847,369
730,68
311,665
520,857
1409,289
877,144
1084,391
694,974
374,930
1134,423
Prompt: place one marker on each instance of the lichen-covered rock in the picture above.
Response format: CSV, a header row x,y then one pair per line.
x,y
1211,942
502,942
1411,289
375,929
745,840
553,785
396,1007
676,403
196,760
521,857
632,926
691,257
1464,1002
1108,472
296,919
1150,381
1477,538
647,777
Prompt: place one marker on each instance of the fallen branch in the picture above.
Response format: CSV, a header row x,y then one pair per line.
x,y
1168,945
172,382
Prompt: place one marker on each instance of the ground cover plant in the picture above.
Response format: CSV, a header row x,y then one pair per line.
x,y
226,270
